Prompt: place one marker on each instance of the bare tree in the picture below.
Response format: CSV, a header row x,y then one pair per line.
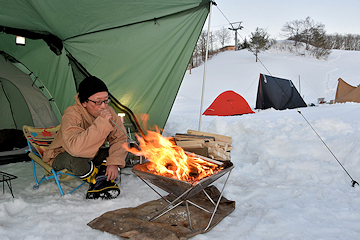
x,y
318,43
223,35
194,61
202,44
312,34
292,30
212,39
351,42
199,52
303,31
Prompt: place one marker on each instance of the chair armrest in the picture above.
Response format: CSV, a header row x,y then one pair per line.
x,y
39,161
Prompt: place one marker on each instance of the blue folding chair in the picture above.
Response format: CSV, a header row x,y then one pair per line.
x,y
40,139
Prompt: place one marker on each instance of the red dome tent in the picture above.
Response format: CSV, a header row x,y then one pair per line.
x,y
228,103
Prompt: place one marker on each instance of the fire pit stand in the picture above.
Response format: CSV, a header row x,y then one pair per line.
x,y
183,190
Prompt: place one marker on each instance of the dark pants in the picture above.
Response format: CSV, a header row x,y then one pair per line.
x,y
79,166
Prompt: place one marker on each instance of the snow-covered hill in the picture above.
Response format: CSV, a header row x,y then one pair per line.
x,y
238,71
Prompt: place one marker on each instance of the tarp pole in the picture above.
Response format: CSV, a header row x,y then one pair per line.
x,y
205,64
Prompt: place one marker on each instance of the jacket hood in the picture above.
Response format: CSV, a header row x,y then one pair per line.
x,y
85,114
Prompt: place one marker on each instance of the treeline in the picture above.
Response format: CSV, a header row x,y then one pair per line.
x,y
313,35
307,38
199,53
344,41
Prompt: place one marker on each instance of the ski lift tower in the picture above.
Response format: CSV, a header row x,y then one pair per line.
x,y
239,27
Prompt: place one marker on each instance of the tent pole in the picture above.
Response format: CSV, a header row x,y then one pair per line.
x,y
47,90
205,64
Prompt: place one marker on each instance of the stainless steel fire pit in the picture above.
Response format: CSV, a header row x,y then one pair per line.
x,y
183,190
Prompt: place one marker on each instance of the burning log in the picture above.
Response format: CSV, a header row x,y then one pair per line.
x,y
183,187
198,170
169,160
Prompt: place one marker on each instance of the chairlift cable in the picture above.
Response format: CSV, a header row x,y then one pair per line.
x,y
224,16
267,71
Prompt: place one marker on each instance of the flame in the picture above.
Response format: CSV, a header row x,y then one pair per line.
x,y
169,160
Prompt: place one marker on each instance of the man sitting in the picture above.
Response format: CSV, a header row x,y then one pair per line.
x,y
88,143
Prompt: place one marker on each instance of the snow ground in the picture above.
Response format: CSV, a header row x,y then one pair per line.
x,y
286,183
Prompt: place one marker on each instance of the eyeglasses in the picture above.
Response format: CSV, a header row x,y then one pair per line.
x,y
98,103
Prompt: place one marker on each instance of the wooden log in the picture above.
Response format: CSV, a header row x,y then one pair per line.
x,y
218,144
218,137
203,151
184,136
219,153
191,141
192,144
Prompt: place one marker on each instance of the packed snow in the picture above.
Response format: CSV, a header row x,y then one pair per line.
x,y
287,182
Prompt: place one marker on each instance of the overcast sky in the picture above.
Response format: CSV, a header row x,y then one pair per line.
x,y
337,16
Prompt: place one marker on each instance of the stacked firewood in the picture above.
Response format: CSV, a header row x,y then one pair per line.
x,y
215,146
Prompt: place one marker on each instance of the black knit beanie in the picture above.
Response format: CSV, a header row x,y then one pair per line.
x,y
90,86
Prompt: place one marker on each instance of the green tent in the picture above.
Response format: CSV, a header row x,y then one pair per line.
x,y
22,102
140,49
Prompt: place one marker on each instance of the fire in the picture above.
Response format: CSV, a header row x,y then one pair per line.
x,y
167,159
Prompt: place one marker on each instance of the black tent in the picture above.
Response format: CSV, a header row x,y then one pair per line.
x,y
278,93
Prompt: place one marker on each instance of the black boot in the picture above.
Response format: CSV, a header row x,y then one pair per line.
x,y
102,188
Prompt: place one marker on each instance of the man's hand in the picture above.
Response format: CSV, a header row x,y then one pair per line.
x,y
105,113
112,172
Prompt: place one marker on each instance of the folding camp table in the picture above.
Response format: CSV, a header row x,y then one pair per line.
x,y
6,177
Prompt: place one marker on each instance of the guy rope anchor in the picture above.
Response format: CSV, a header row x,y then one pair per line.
x,y
353,182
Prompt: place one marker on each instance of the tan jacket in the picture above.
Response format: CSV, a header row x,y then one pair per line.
x,y
82,135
